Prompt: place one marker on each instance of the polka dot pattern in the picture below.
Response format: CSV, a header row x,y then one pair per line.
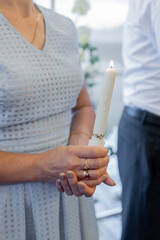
x,y
38,89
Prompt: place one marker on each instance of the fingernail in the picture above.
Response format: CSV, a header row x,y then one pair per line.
x,y
69,175
62,177
80,186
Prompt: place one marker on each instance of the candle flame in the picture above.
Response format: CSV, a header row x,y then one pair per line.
x,y
111,64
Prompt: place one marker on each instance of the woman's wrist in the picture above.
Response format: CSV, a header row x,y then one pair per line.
x,y
80,132
79,138
40,166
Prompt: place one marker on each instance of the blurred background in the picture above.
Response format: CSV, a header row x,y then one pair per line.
x,y
100,32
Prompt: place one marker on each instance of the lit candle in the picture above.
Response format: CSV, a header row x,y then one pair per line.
x,y
103,107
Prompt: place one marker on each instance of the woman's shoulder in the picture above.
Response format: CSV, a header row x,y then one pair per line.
x,y
58,19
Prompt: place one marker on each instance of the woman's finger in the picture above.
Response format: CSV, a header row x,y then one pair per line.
x,y
93,183
59,186
65,184
108,181
91,174
90,151
94,163
85,190
73,181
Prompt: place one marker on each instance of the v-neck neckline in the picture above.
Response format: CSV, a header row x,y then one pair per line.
x,y
24,39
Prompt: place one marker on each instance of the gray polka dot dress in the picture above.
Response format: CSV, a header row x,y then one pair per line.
x,y
38,89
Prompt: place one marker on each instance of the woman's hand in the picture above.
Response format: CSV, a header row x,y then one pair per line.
x,y
65,158
68,182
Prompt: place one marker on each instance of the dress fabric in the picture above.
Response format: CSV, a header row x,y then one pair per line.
x,y
38,89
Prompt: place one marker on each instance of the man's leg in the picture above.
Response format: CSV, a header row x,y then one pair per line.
x,y
153,223
135,150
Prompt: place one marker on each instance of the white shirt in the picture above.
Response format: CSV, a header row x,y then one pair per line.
x,y
141,54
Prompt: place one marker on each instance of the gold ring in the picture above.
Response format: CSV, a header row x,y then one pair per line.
x,y
86,174
86,165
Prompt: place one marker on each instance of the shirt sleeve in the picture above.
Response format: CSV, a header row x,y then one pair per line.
x,y
156,23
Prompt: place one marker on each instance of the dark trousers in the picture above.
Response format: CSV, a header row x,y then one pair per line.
x,y
139,166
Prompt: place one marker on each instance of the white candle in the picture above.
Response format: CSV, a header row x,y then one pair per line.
x,y
103,106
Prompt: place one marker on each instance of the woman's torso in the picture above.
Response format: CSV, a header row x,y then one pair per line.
x,y
38,88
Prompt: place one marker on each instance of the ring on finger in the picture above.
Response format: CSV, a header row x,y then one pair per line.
x,y
86,174
86,165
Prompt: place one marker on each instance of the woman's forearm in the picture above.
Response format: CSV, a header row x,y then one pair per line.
x,y
18,167
82,126
83,121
